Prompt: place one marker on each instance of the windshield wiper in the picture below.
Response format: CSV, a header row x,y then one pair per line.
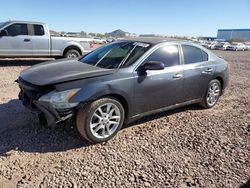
x,y
102,58
125,59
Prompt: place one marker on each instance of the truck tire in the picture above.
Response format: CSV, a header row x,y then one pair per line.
x,y
71,53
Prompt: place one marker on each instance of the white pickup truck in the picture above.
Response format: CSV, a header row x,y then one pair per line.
x,y
33,39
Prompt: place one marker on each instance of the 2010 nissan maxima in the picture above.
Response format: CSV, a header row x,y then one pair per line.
x,y
121,82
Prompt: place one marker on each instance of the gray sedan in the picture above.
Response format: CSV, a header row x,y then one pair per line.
x,y
123,81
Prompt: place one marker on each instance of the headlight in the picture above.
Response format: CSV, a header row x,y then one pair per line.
x,y
60,100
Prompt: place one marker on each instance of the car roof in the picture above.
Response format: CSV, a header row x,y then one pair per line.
x,y
25,22
151,40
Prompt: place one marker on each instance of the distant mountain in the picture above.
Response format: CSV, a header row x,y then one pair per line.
x,y
118,33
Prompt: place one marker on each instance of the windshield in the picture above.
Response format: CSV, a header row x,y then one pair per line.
x,y
3,24
116,55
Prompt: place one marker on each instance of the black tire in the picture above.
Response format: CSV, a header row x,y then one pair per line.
x,y
205,103
85,114
71,53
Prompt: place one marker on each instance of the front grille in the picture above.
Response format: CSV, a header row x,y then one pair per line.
x,y
30,92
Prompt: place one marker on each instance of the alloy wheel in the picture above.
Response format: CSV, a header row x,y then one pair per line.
x,y
213,94
105,120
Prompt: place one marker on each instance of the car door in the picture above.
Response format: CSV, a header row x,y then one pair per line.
x,y
198,70
40,40
155,89
17,42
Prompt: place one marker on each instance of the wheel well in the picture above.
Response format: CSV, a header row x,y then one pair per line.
x,y
221,81
122,100
72,47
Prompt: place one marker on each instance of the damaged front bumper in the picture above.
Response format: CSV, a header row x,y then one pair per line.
x,y
51,115
45,110
30,96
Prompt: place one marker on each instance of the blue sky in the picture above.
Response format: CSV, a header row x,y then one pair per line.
x,y
176,17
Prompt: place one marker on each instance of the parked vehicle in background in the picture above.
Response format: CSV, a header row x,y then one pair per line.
x,y
247,47
225,45
247,44
209,45
99,41
240,47
231,47
237,47
216,46
109,40
33,39
206,44
123,81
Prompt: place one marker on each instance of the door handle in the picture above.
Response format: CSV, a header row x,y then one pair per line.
x,y
26,40
207,71
178,75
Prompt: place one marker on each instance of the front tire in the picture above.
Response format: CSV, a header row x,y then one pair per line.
x,y
212,94
100,120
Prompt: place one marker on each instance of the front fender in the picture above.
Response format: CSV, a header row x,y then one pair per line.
x,y
93,92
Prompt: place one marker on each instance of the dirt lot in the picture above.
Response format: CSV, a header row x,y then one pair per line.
x,y
188,147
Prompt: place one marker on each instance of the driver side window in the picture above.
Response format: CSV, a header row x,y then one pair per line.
x,y
17,29
168,55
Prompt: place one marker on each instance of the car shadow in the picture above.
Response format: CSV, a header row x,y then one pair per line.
x,y
156,116
20,131
6,62
24,133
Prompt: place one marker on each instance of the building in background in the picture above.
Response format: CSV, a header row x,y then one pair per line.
x,y
234,34
207,38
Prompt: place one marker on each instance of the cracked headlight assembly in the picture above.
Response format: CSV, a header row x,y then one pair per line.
x,y
60,100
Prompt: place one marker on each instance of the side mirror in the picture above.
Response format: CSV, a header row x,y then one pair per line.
x,y
152,65
3,33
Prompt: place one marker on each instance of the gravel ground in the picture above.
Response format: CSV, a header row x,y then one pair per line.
x,y
188,147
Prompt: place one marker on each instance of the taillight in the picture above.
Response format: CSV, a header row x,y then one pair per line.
x,y
91,44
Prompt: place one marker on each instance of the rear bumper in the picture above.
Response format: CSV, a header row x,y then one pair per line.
x,y
226,79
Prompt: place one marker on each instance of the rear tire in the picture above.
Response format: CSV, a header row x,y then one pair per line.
x,y
71,53
100,120
212,94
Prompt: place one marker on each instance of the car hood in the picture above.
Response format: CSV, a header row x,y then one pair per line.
x,y
59,71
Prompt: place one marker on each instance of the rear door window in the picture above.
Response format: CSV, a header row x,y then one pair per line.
x,y
169,55
192,54
17,29
38,30
204,56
